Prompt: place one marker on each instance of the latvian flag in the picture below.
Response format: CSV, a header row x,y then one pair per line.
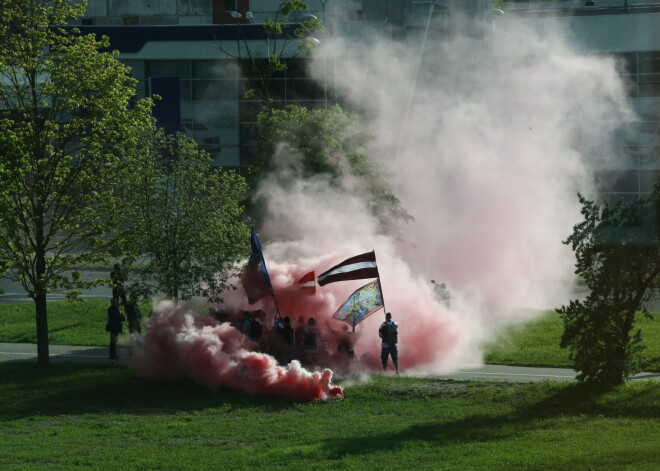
x,y
355,268
307,283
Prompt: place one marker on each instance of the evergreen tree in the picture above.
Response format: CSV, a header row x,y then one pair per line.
x,y
617,250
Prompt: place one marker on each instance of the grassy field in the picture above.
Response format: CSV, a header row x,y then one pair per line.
x,y
70,416
537,343
80,323
100,417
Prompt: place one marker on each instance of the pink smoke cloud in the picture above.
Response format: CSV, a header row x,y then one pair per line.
x,y
180,344
489,166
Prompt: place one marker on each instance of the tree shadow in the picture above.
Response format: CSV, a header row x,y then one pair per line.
x,y
640,401
73,389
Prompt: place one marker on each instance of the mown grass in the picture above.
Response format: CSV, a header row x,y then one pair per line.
x,y
69,323
536,343
71,416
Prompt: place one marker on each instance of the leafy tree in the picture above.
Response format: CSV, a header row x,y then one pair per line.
x,y
331,144
281,34
184,230
617,250
64,110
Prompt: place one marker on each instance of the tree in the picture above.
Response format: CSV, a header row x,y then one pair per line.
x,y
184,232
331,144
617,250
64,112
262,66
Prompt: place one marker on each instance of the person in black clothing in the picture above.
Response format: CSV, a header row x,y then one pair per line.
x,y
284,328
389,334
114,326
134,316
281,344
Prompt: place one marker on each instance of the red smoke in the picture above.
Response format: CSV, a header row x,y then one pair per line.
x,y
431,338
179,344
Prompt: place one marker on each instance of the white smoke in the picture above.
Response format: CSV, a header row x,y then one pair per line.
x,y
488,157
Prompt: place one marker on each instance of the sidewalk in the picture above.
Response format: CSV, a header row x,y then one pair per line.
x,y
513,374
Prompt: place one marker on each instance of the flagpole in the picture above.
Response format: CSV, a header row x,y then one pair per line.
x,y
380,286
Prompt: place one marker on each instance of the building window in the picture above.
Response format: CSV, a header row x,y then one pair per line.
x,y
231,5
131,20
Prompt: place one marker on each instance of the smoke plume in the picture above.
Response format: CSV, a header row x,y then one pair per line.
x,y
180,344
486,143
487,146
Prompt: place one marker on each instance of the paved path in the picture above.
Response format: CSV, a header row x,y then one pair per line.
x,y
516,374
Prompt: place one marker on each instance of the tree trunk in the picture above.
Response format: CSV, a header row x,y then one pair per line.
x,y
40,291
42,328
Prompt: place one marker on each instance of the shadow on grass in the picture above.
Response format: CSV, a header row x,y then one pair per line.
x,y
21,338
69,388
529,407
65,327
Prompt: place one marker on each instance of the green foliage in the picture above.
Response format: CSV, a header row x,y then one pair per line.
x,y
280,36
183,230
99,417
65,114
330,144
617,250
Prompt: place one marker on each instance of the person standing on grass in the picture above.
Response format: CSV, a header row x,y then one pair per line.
x,y
114,326
389,334
134,316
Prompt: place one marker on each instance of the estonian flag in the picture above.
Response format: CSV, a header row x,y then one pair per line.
x,y
355,268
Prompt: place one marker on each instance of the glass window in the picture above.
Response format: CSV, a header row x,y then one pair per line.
x,y
649,62
248,110
618,181
137,68
214,90
648,179
649,89
214,69
649,108
304,89
649,84
627,62
173,68
254,68
296,68
185,88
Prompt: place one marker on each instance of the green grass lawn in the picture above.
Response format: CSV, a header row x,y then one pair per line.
x,y
71,416
78,323
537,343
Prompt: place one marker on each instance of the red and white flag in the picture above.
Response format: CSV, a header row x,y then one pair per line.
x,y
307,283
354,268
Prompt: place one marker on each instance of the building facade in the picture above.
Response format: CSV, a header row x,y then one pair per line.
x,y
193,54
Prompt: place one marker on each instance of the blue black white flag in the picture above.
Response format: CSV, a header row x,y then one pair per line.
x,y
361,303
256,280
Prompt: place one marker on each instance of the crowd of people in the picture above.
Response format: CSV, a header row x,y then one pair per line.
x,y
304,341
115,324
285,342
